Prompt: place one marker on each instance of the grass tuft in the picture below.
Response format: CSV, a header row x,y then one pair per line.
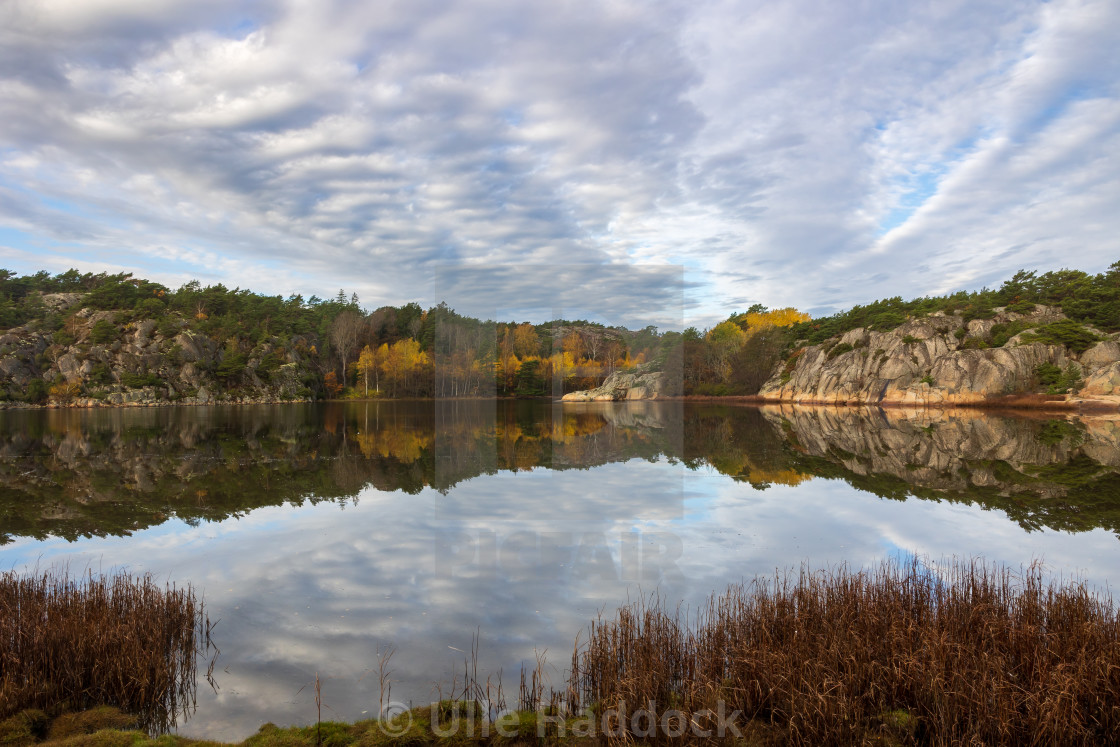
x,y
69,644
966,654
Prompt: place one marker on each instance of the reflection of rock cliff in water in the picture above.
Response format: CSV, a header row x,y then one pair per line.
x,y
1043,472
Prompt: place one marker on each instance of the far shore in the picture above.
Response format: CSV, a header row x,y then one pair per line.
x,y
1008,403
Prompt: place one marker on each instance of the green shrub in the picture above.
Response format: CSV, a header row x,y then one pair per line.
x,y
37,392
1056,381
980,311
231,366
910,339
840,349
168,326
103,332
961,333
51,322
100,375
139,381
713,390
269,364
1002,333
64,338
26,727
1065,332
886,320
1021,307
791,363
150,308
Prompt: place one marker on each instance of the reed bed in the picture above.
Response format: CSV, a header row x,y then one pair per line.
x,y
967,654
125,641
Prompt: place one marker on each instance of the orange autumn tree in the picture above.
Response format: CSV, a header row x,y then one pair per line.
x,y
331,382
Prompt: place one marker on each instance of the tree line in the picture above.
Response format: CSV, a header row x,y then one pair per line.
x,y
409,351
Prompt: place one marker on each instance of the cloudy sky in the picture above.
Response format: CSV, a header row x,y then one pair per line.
x,y
648,162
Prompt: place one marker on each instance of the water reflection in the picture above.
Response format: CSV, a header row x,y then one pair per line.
x,y
1042,471
322,535
75,473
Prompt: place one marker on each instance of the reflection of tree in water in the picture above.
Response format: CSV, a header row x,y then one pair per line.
x,y
73,473
80,473
740,443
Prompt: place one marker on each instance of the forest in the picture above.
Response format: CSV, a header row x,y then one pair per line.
x,y
338,349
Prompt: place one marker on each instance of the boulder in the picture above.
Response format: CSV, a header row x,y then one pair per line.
x,y
621,386
61,301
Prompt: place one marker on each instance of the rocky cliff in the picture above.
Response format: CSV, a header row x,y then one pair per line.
x,y
943,360
98,359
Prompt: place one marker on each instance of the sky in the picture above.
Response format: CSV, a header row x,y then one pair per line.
x,y
641,163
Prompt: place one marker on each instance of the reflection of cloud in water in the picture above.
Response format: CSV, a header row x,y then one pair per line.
x,y
617,492
528,557
321,588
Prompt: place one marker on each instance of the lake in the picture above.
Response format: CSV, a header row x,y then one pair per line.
x,y
323,536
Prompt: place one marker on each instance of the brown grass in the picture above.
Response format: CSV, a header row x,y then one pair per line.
x,y
68,644
971,654
1027,401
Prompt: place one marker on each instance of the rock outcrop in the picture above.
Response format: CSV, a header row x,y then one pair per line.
x,y
642,383
144,364
938,361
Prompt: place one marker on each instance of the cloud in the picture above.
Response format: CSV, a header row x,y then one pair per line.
x,y
808,153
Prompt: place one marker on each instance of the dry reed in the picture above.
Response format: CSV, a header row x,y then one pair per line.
x,y
970,653
124,641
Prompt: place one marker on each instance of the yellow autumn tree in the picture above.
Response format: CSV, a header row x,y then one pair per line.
x,y
404,361
563,364
525,341
380,359
367,364
754,321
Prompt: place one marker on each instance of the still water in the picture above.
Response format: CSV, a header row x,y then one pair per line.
x,y
324,536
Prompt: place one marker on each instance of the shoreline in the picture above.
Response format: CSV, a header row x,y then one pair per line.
x,y
1006,403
